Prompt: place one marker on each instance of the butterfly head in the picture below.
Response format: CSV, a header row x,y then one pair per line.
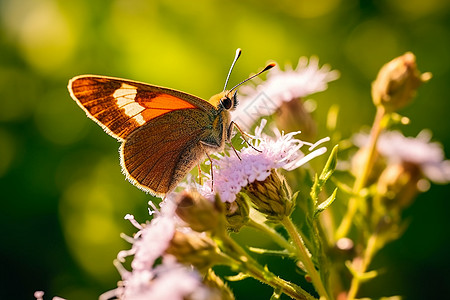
x,y
226,100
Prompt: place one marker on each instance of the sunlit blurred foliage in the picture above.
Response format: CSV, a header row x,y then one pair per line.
x,y
63,196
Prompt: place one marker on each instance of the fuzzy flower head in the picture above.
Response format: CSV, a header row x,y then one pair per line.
x,y
282,86
419,151
169,280
153,243
252,165
152,239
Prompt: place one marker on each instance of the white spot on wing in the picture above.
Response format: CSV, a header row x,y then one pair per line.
x,y
140,119
132,109
125,94
125,97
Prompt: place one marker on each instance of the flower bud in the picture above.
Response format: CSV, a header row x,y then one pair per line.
x,y
294,116
200,213
397,82
397,185
194,248
271,197
360,159
236,213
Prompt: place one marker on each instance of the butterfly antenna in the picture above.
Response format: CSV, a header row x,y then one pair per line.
x,y
238,53
268,67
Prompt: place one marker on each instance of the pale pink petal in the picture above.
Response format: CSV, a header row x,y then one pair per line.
x,y
281,86
274,153
428,156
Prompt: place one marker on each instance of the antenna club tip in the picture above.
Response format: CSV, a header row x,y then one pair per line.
x,y
270,66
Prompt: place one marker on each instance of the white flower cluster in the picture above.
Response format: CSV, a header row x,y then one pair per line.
x,y
267,96
256,165
148,280
428,156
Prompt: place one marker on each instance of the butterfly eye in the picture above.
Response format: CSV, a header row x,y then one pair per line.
x,y
226,103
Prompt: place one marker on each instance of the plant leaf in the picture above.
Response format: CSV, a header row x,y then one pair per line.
x,y
330,166
324,205
283,253
237,277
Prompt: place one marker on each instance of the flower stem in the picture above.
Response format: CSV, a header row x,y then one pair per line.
x,y
305,258
251,267
361,180
366,260
276,237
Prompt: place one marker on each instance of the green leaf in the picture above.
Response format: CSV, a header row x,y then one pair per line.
x,y
327,171
294,197
344,188
324,205
330,166
237,277
361,276
282,253
315,188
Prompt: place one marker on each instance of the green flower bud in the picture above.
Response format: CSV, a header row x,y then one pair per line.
x,y
271,197
196,249
397,82
236,213
295,115
397,185
200,213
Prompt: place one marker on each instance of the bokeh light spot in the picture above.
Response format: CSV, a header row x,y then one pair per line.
x,y
45,38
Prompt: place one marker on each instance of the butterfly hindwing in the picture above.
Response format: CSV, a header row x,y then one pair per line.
x,y
159,154
121,106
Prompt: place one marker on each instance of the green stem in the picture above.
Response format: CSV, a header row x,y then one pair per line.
x,y
275,236
305,258
361,180
251,267
366,260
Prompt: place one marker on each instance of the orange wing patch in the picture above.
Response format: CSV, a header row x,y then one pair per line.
x,y
158,104
163,101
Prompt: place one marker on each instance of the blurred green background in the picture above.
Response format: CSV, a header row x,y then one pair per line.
x,y
63,197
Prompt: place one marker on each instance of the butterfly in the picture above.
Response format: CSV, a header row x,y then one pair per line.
x,y
163,132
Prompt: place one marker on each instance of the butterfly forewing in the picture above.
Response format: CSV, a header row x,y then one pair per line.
x,y
121,106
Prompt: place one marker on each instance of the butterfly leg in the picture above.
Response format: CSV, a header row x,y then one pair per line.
x,y
235,151
199,174
212,169
243,134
